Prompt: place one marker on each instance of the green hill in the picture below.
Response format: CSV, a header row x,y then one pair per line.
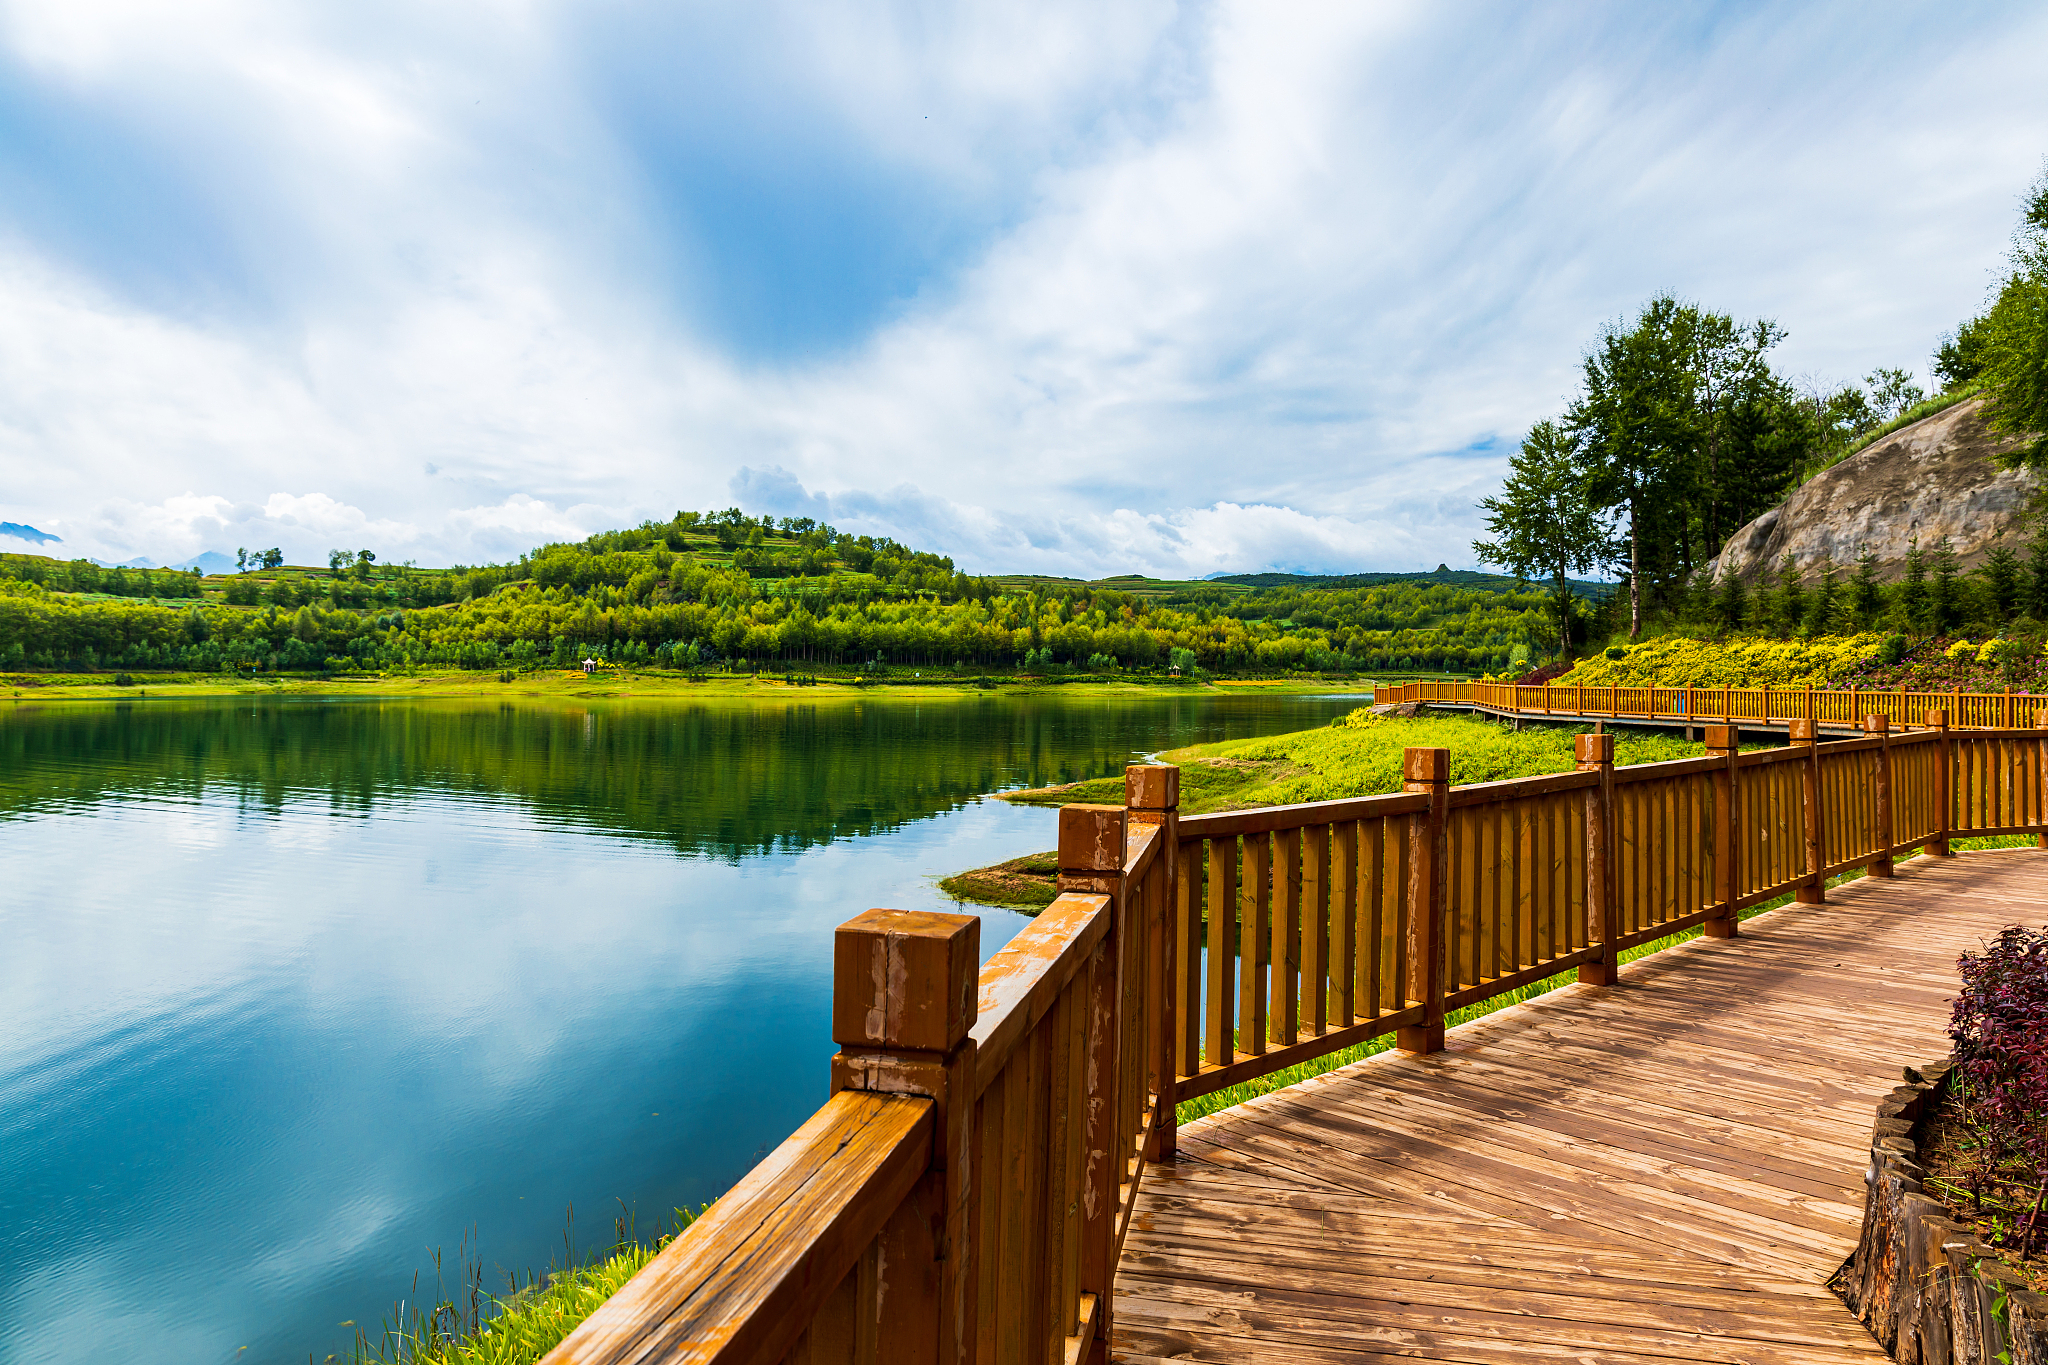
x,y
726,589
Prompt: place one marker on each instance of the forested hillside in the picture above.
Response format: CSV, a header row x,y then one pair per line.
x,y
726,589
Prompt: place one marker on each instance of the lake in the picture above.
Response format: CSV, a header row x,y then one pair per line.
x,y
297,991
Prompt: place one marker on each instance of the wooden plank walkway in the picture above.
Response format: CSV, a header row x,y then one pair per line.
x,y
1667,1169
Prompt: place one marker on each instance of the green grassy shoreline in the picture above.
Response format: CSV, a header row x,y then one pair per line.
x,y
610,684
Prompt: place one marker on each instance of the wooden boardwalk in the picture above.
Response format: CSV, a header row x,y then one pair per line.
x,y
1667,1169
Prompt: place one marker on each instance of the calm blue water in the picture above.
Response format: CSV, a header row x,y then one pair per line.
x,y
297,992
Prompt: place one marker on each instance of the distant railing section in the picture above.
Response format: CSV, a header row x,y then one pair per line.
x,y
964,1194
1701,705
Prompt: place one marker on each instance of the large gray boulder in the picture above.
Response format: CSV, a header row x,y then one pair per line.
x,y
1938,477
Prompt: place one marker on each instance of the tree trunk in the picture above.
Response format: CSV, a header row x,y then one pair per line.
x,y
1564,618
1635,577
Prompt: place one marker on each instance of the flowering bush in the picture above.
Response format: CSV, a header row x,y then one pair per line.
x,y
1939,666
2000,1028
1675,661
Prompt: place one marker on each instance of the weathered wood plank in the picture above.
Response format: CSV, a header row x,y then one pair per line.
x,y
1663,1169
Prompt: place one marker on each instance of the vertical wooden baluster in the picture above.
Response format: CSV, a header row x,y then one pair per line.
x,y
1881,791
1810,890
1595,754
1427,771
1315,922
1375,838
1944,761
903,1002
1722,743
1221,1017
2038,788
1254,942
1528,817
1188,958
1152,796
1284,984
1345,1006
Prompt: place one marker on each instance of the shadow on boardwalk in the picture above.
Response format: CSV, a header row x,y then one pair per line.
x,y
1666,1169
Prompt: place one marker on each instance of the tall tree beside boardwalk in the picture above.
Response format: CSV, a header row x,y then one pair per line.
x,y
1635,423
2015,346
1690,435
1545,523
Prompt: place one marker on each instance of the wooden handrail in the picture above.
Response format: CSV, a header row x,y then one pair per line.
x,y
1690,706
751,1275
964,1194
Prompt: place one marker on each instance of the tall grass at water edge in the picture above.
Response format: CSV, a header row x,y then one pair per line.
x,y
471,1326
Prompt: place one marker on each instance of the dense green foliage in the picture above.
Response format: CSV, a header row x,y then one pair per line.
x,y
1546,521
2011,340
84,576
1681,433
730,590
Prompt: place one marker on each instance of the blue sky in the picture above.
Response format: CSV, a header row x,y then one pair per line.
x,y
1174,289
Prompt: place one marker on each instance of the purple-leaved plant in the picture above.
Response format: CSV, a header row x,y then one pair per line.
x,y
2000,1029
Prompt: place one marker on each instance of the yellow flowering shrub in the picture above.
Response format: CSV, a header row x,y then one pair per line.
x,y
1674,661
1960,648
1988,651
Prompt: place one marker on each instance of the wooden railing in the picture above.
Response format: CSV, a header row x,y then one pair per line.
x,y
964,1194
1702,705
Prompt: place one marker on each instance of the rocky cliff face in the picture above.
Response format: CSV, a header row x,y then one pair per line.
x,y
1938,477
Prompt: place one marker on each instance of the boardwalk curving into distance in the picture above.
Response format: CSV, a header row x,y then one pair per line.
x,y
1665,1169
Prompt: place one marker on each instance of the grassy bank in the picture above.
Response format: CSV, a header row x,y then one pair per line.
x,y
612,683
1358,754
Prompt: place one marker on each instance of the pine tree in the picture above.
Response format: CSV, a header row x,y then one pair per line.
x,y
1791,597
1944,597
1910,600
1821,603
1866,596
2002,573
1731,605
2037,575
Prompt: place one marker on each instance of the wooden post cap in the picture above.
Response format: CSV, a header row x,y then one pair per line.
x,y
905,979
1877,724
1804,731
1092,839
1425,765
1937,718
1152,786
1723,737
1594,748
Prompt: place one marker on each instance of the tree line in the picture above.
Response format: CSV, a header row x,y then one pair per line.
x,y
728,590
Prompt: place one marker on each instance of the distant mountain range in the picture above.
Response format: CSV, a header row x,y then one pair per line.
x,y
28,533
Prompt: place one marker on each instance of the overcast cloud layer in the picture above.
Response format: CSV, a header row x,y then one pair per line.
x,y
1054,287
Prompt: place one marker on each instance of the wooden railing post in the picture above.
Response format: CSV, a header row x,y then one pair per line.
x,y
1881,788
1093,844
1805,735
1937,846
1152,797
1595,754
1722,743
2041,776
903,999
1426,770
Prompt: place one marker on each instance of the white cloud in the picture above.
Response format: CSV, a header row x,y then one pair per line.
x,y
1215,287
